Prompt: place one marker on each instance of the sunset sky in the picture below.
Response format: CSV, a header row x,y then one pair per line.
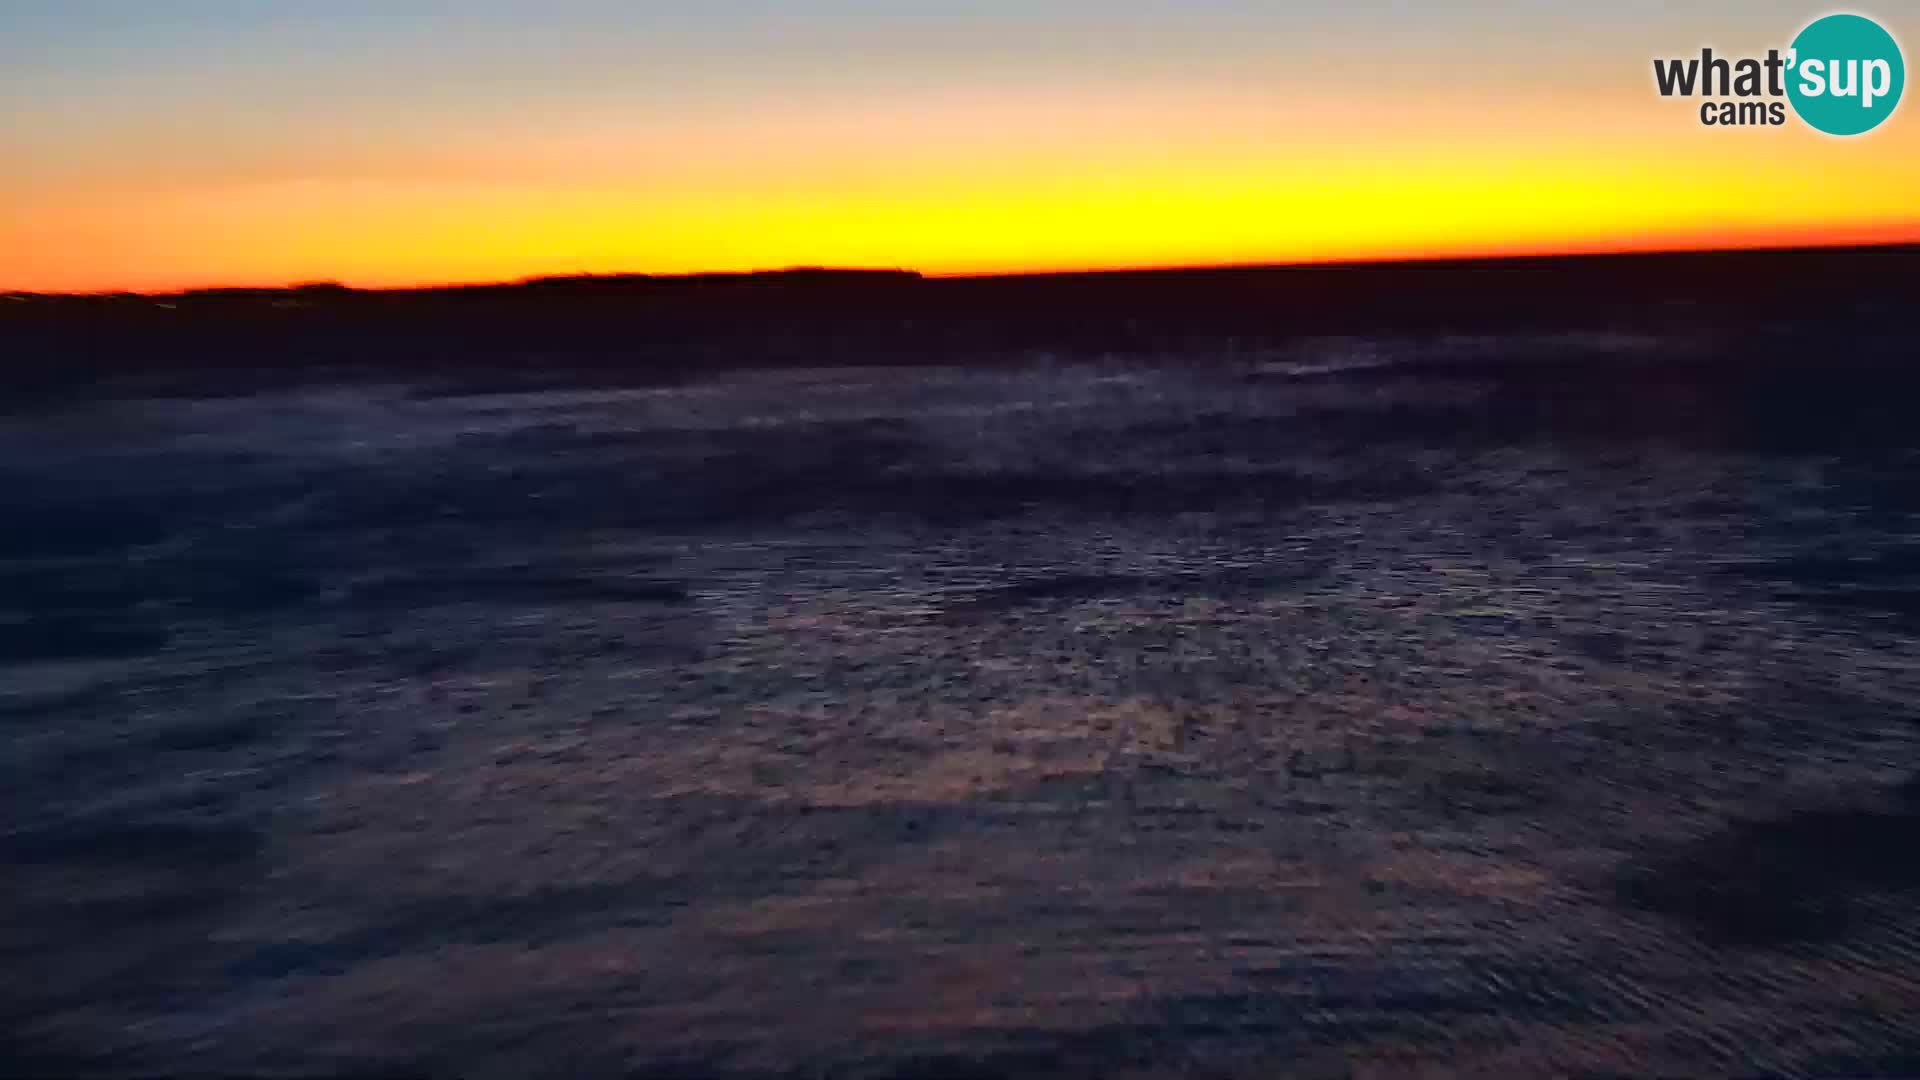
x,y
154,146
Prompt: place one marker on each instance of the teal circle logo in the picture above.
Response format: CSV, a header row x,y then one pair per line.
x,y
1846,74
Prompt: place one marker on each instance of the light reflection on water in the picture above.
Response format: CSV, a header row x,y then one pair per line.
x,y
855,718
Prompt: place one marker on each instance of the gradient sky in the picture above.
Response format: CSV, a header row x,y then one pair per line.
x,y
154,146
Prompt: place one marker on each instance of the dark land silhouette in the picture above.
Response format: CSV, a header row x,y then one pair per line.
x,y
636,326
1473,668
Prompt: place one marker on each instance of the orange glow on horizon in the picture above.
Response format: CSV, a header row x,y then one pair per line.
x,y
1786,238
1102,173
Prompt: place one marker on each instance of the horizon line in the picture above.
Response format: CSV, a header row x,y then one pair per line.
x,y
1330,263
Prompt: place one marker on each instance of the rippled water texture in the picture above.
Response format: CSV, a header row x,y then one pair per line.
x,y
1253,722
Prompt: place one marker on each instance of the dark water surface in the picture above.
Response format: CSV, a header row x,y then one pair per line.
x,y
1268,721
